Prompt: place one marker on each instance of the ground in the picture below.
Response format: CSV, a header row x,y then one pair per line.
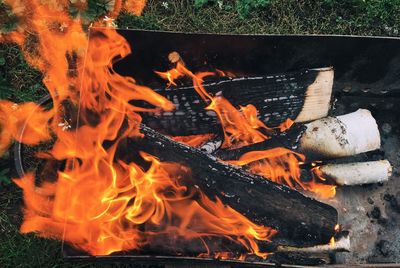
x,y
19,82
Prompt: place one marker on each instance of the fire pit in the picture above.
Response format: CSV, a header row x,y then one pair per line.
x,y
311,180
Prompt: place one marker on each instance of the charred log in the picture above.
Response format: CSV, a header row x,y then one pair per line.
x,y
289,139
301,96
300,220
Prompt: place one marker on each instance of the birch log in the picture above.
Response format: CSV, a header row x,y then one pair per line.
x,y
358,173
341,245
341,136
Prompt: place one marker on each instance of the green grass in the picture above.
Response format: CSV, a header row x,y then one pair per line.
x,y
17,250
19,82
356,17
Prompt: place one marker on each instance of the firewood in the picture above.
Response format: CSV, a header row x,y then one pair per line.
x,y
326,138
289,139
341,245
301,96
357,173
300,220
340,136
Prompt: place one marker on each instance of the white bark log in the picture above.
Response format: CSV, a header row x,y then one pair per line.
x,y
358,173
340,136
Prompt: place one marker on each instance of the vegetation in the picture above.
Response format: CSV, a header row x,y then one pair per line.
x,y
19,82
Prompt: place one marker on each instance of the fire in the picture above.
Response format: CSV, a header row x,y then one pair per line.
x,y
194,140
282,166
242,127
100,201
332,241
14,117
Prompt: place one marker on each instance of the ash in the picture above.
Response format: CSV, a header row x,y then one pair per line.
x,y
372,212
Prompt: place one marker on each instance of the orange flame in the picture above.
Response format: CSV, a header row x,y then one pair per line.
x,y
99,202
240,128
282,166
194,140
29,117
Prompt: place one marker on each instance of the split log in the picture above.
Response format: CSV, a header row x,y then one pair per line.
x,y
357,173
300,220
330,137
301,96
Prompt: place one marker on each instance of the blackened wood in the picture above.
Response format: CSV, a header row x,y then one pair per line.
x,y
277,97
300,220
289,139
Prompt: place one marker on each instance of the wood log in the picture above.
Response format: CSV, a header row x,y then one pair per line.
x,y
330,137
357,173
341,245
300,220
340,136
289,139
301,96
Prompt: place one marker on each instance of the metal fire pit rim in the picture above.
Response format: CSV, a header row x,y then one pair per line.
x,y
154,259
158,259
252,34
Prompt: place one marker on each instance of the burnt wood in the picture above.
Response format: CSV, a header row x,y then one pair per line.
x,y
300,220
276,97
289,139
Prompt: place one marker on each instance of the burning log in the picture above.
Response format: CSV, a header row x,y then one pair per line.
x,y
358,173
341,245
289,139
301,96
330,137
300,220
311,256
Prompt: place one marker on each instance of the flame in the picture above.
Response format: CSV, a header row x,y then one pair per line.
x,y
242,127
105,222
332,241
101,202
282,166
194,140
28,116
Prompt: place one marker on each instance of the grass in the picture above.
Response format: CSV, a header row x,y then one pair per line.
x,y
357,17
19,250
19,82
